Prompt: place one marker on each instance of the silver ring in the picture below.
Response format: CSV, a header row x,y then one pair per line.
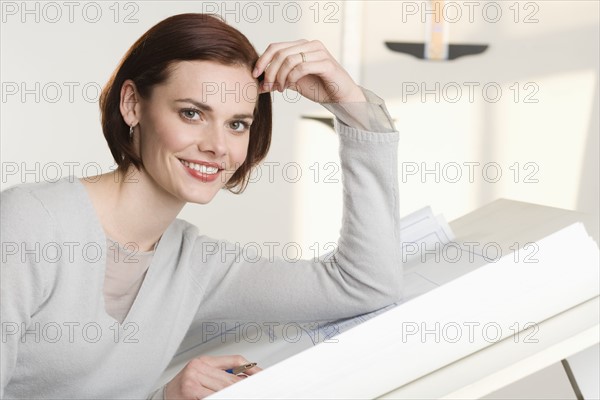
x,y
303,57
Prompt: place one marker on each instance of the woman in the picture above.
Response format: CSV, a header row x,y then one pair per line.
x,y
100,281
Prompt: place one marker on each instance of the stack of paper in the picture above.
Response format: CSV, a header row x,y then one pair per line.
x,y
447,324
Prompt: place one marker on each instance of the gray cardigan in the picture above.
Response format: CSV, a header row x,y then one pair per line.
x,y
59,342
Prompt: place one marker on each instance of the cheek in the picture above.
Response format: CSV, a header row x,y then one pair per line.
x,y
172,140
165,136
239,151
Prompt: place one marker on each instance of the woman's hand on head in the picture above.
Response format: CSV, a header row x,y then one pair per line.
x,y
204,376
316,76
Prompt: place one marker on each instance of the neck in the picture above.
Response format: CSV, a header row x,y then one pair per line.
x,y
132,207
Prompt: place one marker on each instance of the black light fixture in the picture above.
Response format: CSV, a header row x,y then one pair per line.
x,y
436,46
419,49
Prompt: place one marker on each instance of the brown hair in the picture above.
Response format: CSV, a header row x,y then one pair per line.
x,y
182,37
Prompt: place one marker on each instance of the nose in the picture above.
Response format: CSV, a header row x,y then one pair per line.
x,y
214,141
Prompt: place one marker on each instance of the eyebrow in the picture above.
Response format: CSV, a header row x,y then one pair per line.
x,y
205,107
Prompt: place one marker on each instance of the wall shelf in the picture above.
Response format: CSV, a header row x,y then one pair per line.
x,y
454,50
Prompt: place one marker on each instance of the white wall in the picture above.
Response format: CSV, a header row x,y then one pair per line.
x,y
52,132
555,139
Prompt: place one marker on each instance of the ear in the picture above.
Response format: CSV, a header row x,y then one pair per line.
x,y
129,104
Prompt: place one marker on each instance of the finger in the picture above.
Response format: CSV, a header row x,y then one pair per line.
x,y
226,362
293,61
226,378
280,56
211,377
323,69
265,58
253,370
290,57
290,62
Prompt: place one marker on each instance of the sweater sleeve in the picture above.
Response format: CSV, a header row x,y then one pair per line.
x,y
371,115
23,271
158,394
362,274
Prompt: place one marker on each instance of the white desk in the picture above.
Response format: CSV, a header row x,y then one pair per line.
x,y
508,222
503,223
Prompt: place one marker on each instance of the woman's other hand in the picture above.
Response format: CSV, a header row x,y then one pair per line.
x,y
204,376
308,68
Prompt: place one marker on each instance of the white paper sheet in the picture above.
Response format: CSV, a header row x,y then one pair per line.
x,y
439,327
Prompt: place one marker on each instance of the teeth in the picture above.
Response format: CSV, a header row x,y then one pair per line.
x,y
204,169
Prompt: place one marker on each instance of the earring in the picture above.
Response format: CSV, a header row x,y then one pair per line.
x,y
131,131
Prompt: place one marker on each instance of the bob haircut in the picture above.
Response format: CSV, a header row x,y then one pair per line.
x,y
183,37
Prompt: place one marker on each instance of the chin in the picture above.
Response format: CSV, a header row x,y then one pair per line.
x,y
200,198
199,201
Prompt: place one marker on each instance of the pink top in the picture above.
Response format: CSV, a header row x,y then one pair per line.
x,y
125,271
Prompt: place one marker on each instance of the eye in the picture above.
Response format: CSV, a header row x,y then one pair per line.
x,y
190,114
239,126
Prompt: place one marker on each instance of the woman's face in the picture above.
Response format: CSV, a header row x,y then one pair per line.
x,y
195,128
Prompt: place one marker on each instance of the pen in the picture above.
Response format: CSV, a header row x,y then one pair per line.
x,y
240,369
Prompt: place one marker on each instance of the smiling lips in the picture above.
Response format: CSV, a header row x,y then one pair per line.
x,y
206,172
